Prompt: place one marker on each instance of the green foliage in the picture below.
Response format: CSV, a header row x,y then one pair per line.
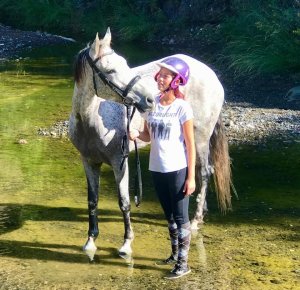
x,y
43,14
83,18
263,38
133,20
257,36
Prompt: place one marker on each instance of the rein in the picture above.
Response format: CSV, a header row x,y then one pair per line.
x,y
128,104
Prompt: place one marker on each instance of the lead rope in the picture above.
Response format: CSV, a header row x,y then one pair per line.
x,y
138,190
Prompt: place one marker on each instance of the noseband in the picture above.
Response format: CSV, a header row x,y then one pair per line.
x,y
120,92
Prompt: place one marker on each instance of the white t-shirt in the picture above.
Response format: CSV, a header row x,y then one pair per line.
x,y
168,150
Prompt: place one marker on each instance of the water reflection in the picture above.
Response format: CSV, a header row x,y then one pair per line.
x,y
198,241
42,184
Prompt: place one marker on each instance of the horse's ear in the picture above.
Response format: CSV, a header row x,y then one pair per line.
x,y
107,37
96,45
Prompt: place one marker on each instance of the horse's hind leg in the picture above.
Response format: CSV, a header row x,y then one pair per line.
x,y
92,172
203,172
122,181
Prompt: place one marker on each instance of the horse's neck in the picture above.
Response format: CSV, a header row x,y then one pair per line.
x,y
84,98
95,111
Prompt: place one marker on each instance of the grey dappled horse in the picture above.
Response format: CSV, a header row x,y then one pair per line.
x,y
98,125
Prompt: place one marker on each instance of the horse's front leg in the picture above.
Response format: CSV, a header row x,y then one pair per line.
x,y
122,180
92,172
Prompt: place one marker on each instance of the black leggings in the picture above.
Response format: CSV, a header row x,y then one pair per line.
x,y
169,189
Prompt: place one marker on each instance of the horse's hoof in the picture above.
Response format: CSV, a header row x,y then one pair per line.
x,y
90,248
126,257
125,250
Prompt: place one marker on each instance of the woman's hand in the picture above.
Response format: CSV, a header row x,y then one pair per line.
x,y
189,186
133,134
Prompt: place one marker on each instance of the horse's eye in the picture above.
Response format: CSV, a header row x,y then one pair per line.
x,y
110,71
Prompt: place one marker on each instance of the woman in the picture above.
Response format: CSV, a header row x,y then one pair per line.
x,y
172,157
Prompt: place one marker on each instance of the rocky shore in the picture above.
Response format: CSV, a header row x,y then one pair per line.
x,y
242,125
249,115
14,41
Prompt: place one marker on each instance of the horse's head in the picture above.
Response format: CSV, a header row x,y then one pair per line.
x,y
114,71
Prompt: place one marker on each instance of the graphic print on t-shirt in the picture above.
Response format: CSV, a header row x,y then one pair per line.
x,y
161,124
160,130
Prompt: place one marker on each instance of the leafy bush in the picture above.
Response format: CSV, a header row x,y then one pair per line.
x,y
82,18
257,36
263,38
42,14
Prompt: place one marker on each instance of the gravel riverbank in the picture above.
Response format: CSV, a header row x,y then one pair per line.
x,y
14,41
243,125
247,119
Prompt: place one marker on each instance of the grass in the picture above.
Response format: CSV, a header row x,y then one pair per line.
x,y
262,39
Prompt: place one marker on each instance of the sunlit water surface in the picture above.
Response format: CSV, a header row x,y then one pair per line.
x,y
43,209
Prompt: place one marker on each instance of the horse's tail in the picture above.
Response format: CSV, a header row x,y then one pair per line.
x,y
219,155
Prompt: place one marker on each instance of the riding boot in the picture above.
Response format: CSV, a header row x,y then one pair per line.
x,y
172,259
181,267
184,240
173,232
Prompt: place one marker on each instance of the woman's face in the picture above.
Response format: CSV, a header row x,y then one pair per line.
x,y
164,79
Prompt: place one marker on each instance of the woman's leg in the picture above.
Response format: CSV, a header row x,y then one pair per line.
x,y
184,240
169,188
180,210
161,187
162,190
179,202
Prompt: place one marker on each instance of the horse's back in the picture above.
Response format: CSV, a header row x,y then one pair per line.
x,y
202,82
204,91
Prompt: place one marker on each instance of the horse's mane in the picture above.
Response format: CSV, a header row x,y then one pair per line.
x,y
79,64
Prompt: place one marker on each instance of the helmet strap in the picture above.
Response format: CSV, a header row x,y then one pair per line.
x,y
174,85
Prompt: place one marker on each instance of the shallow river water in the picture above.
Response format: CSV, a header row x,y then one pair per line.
x,y
43,208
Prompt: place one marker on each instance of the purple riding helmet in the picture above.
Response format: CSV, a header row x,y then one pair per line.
x,y
177,66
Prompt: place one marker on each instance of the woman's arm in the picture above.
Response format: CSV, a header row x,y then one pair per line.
x,y
142,135
188,132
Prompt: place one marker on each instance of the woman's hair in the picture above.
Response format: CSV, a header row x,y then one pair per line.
x,y
179,94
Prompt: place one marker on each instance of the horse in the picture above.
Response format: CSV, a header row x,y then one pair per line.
x,y
99,123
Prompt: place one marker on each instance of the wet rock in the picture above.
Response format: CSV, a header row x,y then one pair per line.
x,y
22,141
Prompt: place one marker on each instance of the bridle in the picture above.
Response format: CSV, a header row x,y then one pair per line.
x,y
96,71
128,104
